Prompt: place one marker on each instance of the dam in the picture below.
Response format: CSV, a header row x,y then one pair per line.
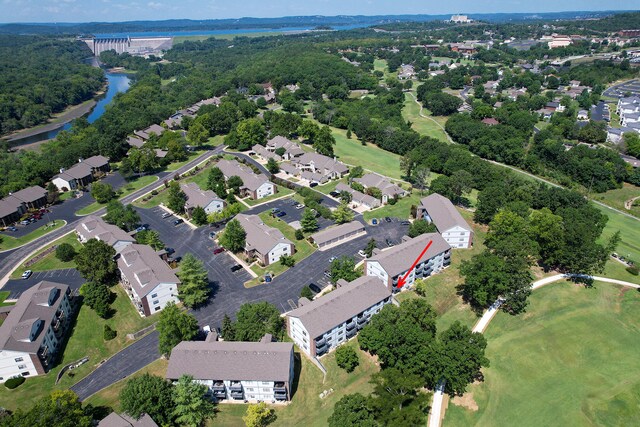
x,y
138,46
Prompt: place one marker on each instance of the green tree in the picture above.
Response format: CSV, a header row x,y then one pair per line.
x,y
356,172
308,129
52,193
343,268
420,177
143,160
353,410
95,262
343,214
174,326
234,184
272,166
98,297
397,401
347,358
287,261
197,133
259,415
216,182
199,216
192,407
253,320
65,252
442,104
371,245
299,234
123,216
308,221
233,238
102,192
421,226
228,330
176,198
148,394
151,238
108,334
306,292
324,141
194,282
250,132
345,196
61,408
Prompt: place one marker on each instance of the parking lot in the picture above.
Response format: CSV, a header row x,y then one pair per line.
x,y
291,213
68,276
618,91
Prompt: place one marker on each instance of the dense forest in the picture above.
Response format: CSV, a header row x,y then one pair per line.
x,y
40,76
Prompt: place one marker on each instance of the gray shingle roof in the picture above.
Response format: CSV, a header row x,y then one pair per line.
x,y
94,227
197,196
30,194
250,180
381,182
322,162
398,259
327,312
229,360
260,236
442,212
331,233
135,141
9,205
358,196
96,161
144,269
116,420
33,305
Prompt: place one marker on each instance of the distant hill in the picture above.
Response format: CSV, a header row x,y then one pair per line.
x,y
283,22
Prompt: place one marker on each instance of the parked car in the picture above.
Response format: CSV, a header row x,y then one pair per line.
x,y
334,193
406,223
176,259
281,214
332,259
217,251
299,206
212,234
12,228
27,274
178,221
362,254
166,215
24,222
294,202
315,288
327,273
389,242
236,267
275,210
313,184
374,221
142,228
169,250
386,218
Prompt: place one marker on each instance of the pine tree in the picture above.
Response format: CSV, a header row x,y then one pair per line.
x,y
234,237
308,221
228,329
191,405
194,282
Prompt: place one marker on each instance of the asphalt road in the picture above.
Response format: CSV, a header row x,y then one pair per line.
x,y
68,276
619,90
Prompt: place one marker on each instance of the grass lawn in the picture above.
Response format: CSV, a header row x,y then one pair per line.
x,y
629,228
85,340
282,191
3,296
177,165
422,125
331,185
616,270
617,197
9,242
65,196
50,262
306,407
570,360
128,188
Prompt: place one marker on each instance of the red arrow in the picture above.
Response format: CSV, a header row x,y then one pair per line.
x,y
403,279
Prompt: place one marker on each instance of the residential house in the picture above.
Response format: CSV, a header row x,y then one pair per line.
x,y
134,141
406,72
292,149
583,115
33,197
16,204
123,420
235,370
80,174
149,281
312,177
627,119
490,121
256,186
206,199
389,189
146,133
323,324
32,334
94,227
440,211
358,198
314,162
392,264
264,243
264,154
338,234
289,169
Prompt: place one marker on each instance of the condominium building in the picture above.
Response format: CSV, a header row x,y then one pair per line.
x,y
263,243
320,325
94,227
123,420
256,186
206,199
149,281
395,262
32,334
80,174
236,371
450,224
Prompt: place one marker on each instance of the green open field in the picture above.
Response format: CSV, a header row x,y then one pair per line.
x,y
571,360
629,229
422,125
49,261
617,197
9,242
128,188
85,340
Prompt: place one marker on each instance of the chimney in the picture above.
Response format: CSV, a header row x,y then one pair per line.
x,y
80,160
405,239
61,170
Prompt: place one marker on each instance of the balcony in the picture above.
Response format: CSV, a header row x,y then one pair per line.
x,y
362,320
279,387
321,342
235,386
351,325
218,385
220,394
59,313
280,397
351,333
43,352
237,395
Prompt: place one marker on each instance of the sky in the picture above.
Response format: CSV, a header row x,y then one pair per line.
x,y
130,10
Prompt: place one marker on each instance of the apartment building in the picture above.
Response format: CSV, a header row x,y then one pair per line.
x,y
323,324
123,420
358,198
450,224
80,174
16,204
391,264
314,162
32,334
338,234
263,243
149,281
291,149
235,370
388,189
256,186
206,199
94,227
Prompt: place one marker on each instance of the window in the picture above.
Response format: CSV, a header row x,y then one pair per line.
x,y
304,333
249,389
462,240
19,359
154,295
25,374
265,383
156,308
156,302
22,366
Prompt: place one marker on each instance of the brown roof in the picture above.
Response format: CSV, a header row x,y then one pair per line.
x,y
198,197
135,141
327,312
30,194
398,259
116,420
442,212
37,304
96,161
260,236
94,227
144,269
250,180
331,233
234,361
9,205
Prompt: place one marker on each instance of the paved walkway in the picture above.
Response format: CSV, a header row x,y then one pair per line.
x,y
481,325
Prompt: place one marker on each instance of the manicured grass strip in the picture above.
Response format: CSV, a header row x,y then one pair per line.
x,y
617,197
282,192
49,261
571,359
9,242
128,188
629,228
422,125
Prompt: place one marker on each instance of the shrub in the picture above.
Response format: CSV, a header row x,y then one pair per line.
x,y
154,192
287,261
633,269
65,252
108,334
306,292
299,235
392,201
13,382
347,358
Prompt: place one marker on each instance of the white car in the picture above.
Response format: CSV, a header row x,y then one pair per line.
x,y
332,259
27,274
166,215
362,254
299,206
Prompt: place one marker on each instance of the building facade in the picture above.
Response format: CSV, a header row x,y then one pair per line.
x,y
263,243
451,225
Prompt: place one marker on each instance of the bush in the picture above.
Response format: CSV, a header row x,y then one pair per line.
x,y
392,201
13,382
299,235
108,334
65,252
306,292
347,358
633,269
287,261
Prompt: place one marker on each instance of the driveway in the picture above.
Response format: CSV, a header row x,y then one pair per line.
x,y
68,276
292,214
619,90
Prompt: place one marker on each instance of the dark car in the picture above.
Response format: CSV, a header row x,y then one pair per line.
x,y
217,251
12,228
406,223
281,214
275,210
176,259
169,250
236,267
178,221
313,184
315,288
389,242
334,193
374,221
386,218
